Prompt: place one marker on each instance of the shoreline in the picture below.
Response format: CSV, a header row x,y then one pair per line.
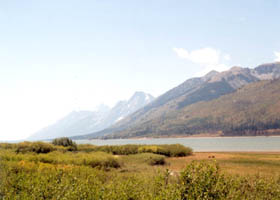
x,y
184,137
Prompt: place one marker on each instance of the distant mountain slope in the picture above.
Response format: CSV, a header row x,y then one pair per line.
x,y
211,86
251,110
83,122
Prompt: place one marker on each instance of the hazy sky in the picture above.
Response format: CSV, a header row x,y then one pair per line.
x,y
62,55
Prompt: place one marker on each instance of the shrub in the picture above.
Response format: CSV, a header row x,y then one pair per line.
x,y
119,149
7,146
86,147
170,150
155,160
104,163
177,150
148,158
66,142
203,181
36,147
149,149
96,159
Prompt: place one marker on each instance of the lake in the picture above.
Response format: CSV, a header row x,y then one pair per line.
x,y
202,144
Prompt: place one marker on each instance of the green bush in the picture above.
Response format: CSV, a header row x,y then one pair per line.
x,y
119,149
150,149
149,158
65,142
203,181
172,150
95,159
113,149
7,146
177,150
100,160
36,147
155,160
31,182
86,148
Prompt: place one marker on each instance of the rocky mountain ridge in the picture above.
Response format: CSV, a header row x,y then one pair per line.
x,y
209,87
83,122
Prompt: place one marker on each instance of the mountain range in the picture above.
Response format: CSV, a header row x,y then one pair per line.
x,y
229,102
84,122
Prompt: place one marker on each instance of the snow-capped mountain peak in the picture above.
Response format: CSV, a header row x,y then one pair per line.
x,y
84,122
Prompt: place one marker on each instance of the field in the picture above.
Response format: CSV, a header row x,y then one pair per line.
x,y
47,171
241,163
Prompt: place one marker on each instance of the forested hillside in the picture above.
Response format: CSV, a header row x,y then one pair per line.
x,y
251,110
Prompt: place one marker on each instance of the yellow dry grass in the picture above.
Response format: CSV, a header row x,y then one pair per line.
x,y
241,163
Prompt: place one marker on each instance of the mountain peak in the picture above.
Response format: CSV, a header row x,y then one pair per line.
x,y
141,95
268,67
158,116
101,108
138,93
267,71
236,69
210,74
83,122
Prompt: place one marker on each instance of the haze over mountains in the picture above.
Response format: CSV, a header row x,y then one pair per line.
x,y
171,114
84,122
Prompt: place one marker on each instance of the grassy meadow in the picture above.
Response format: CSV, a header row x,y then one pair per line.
x,y
64,170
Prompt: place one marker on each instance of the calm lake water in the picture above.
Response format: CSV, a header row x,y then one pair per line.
x,y
203,144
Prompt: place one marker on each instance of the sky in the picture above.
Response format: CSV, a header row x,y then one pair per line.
x,y
60,56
